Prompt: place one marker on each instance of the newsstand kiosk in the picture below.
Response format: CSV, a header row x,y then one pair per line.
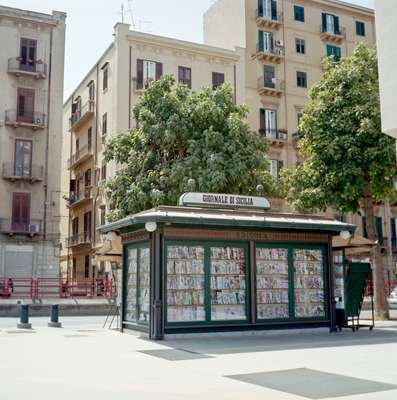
x,y
220,262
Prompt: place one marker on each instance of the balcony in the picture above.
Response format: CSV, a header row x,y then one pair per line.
x,y
79,240
276,137
34,120
274,55
10,227
266,21
81,155
330,35
77,198
82,115
36,69
14,173
272,88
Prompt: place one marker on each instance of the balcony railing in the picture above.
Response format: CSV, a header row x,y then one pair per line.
x,y
274,54
14,172
78,197
80,155
270,21
35,120
19,66
82,114
274,134
273,87
79,239
10,227
332,35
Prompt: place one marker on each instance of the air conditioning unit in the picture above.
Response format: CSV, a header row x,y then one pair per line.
x,y
34,228
279,43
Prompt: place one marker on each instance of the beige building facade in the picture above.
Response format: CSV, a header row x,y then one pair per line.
x,y
31,87
102,105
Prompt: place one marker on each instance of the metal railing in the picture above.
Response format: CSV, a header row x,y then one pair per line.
x,y
87,108
80,238
275,51
79,154
14,172
278,134
33,118
259,13
327,30
18,64
9,226
275,84
83,194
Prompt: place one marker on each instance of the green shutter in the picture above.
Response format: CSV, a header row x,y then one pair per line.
x,y
330,50
260,8
338,54
274,10
336,25
260,41
324,19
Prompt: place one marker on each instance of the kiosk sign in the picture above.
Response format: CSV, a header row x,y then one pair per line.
x,y
223,201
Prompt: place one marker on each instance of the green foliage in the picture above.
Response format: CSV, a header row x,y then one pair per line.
x,y
343,146
180,135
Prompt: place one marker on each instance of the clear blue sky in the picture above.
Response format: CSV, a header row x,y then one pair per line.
x,y
90,25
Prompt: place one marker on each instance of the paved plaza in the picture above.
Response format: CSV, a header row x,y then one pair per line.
x,y
84,361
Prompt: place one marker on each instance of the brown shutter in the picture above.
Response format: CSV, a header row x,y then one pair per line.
x,y
21,212
25,105
139,74
159,71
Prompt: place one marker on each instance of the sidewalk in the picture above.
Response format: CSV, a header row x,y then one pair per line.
x,y
84,361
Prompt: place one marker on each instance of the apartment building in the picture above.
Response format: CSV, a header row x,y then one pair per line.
x,y
31,87
285,42
101,106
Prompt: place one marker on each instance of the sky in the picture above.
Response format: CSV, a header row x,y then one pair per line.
x,y
90,25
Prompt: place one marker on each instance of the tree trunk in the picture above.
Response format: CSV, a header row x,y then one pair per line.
x,y
381,305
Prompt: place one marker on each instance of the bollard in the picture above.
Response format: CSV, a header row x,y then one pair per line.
x,y
54,322
24,320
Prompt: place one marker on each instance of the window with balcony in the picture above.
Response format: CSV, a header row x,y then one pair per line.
x,y
28,54
301,79
87,226
148,71
87,178
266,42
185,76
268,9
23,158
218,79
275,168
335,52
330,24
20,212
300,46
75,227
268,123
269,73
25,106
360,28
299,13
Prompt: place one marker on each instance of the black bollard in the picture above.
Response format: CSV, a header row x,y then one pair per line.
x,y
24,318
54,322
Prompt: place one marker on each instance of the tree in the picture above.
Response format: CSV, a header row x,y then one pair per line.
x,y
182,135
349,164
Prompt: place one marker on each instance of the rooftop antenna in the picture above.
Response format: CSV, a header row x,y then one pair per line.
x,y
131,14
122,13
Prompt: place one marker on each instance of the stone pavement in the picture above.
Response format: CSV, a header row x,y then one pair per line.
x,y
84,361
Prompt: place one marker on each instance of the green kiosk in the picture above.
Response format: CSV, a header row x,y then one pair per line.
x,y
220,262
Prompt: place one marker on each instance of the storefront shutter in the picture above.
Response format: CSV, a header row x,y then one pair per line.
x,y
139,73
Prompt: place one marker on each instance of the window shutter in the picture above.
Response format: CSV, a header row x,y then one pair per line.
x,y
393,232
330,50
260,8
159,71
271,41
336,25
379,230
261,44
365,231
139,73
338,53
324,18
274,10
262,121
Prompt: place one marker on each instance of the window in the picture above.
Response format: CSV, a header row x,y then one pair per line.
x,y
89,138
334,51
25,106
299,13
87,226
360,28
103,170
148,71
103,215
75,226
86,266
20,212
185,76
301,79
28,55
378,228
268,123
330,24
23,158
275,168
393,232
218,79
104,124
87,178
300,45
269,76
105,77
268,9
266,42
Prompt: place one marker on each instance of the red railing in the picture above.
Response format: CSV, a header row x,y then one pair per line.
x,y
53,287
